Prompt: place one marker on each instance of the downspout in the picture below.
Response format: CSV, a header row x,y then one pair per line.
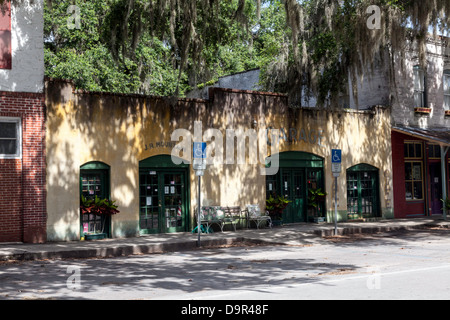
x,y
444,151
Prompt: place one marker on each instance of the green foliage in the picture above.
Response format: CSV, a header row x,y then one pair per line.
x,y
316,197
446,203
97,206
146,47
275,206
166,47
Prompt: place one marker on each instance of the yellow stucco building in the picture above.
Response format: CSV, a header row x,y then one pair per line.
x,y
123,146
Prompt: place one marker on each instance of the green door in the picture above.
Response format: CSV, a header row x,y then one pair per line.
x,y
362,192
163,207
293,188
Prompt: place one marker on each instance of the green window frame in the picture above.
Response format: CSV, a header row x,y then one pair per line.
x,y
94,181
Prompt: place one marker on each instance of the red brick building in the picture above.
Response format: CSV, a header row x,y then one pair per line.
x,y
22,125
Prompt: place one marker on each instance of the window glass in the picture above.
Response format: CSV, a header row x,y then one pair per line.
x,y
10,138
419,87
447,90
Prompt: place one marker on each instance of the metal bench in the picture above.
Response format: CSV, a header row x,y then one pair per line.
x,y
254,214
212,215
220,216
233,215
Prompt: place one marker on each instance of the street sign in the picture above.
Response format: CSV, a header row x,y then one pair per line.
x,y
336,161
199,150
336,156
199,165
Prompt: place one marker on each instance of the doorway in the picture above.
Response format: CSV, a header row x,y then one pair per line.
x,y
362,192
298,173
435,188
163,197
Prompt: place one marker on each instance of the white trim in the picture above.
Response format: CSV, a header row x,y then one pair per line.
x,y
18,122
446,95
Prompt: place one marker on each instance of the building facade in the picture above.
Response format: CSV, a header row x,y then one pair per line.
x,y
421,131
136,150
22,123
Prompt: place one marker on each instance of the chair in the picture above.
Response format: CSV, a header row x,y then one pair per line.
x,y
254,214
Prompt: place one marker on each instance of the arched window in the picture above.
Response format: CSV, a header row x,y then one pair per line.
x,y
94,181
363,192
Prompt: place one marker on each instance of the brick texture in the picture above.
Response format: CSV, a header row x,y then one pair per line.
x,y
22,181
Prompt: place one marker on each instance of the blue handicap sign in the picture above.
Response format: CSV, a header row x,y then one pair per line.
x,y
199,150
336,156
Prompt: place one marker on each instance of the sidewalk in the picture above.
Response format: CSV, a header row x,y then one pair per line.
x,y
297,234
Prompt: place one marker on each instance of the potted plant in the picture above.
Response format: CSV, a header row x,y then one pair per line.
x,y
315,199
101,208
275,206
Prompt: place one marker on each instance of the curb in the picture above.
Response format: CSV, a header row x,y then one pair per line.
x,y
369,230
129,250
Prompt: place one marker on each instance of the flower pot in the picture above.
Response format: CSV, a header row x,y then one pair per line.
x,y
94,236
422,110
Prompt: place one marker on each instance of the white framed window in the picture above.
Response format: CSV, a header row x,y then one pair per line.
x,y
10,138
419,87
446,89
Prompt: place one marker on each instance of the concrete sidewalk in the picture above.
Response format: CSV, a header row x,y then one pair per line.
x,y
296,234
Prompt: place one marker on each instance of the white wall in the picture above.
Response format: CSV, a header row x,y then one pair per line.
x,y
27,33
403,106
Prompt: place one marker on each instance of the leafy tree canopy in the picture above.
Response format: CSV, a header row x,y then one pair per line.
x,y
166,47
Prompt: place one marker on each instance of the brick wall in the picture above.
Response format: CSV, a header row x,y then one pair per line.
x,y
22,181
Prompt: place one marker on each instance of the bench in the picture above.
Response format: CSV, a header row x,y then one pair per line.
x,y
220,216
254,214
233,215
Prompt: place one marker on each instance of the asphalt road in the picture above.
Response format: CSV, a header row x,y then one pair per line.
x,y
404,266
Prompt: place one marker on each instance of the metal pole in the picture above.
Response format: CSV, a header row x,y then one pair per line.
x,y
335,206
198,214
444,151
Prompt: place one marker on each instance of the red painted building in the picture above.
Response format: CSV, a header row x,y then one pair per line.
x,y
22,124
421,172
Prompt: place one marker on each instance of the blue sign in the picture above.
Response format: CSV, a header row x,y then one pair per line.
x,y
199,150
336,156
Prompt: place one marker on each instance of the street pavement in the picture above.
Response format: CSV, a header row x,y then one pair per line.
x,y
295,234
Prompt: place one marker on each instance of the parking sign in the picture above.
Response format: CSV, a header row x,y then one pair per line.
x,y
336,160
199,150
